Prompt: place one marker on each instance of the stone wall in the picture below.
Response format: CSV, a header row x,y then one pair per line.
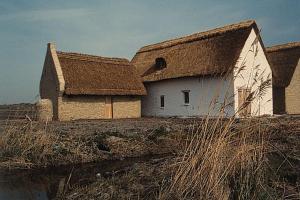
x,y
49,84
94,107
126,107
292,93
81,107
44,110
17,111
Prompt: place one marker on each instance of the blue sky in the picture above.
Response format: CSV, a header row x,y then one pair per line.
x,y
118,28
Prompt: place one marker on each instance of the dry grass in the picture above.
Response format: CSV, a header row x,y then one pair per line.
x,y
21,145
237,159
26,144
221,162
236,162
141,180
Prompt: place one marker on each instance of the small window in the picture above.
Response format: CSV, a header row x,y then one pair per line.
x,y
160,63
162,101
186,96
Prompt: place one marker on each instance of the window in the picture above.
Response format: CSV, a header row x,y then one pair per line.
x,y
162,101
160,63
186,96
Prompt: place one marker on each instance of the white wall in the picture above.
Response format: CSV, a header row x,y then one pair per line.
x,y
202,91
254,66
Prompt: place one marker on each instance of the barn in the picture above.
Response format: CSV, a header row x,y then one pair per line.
x,y
219,70
285,64
83,86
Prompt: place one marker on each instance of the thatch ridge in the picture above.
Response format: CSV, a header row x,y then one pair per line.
x,y
198,36
283,60
213,52
93,58
281,47
96,75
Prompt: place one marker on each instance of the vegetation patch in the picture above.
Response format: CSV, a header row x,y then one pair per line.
x,y
218,159
28,144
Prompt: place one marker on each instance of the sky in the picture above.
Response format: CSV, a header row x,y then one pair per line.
x,y
118,28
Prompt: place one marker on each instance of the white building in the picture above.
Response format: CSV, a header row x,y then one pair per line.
x,y
222,70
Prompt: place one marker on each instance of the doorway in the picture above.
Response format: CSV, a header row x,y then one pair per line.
x,y
108,107
244,102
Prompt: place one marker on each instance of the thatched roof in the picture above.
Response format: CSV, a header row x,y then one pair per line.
x,y
95,75
283,60
205,53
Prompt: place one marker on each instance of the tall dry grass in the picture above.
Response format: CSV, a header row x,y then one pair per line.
x,y
26,144
221,161
23,144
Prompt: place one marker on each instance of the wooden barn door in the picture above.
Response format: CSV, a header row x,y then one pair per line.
x,y
108,107
243,103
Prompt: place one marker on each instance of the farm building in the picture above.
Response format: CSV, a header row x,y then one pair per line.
x,y
90,87
285,63
206,73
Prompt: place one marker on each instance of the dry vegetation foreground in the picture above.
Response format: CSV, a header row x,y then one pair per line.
x,y
208,158
26,144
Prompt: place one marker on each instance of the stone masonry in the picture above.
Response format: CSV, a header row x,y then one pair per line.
x,y
292,93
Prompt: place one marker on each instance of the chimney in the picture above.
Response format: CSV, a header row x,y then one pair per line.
x,y
51,46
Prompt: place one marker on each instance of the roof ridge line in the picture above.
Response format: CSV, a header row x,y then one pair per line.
x,y
196,36
98,61
286,46
91,58
75,54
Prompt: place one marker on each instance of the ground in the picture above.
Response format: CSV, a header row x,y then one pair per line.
x,y
33,145
86,141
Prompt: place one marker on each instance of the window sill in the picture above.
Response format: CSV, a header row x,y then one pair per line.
x,y
187,104
162,108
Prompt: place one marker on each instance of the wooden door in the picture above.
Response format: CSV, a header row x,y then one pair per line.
x,y
244,102
108,107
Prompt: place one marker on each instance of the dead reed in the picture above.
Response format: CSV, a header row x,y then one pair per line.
x,y
221,161
26,144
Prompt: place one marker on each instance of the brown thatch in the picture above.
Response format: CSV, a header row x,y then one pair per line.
x,y
283,60
95,75
206,53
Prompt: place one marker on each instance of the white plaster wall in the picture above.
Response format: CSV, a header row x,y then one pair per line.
x,y
203,90
253,64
